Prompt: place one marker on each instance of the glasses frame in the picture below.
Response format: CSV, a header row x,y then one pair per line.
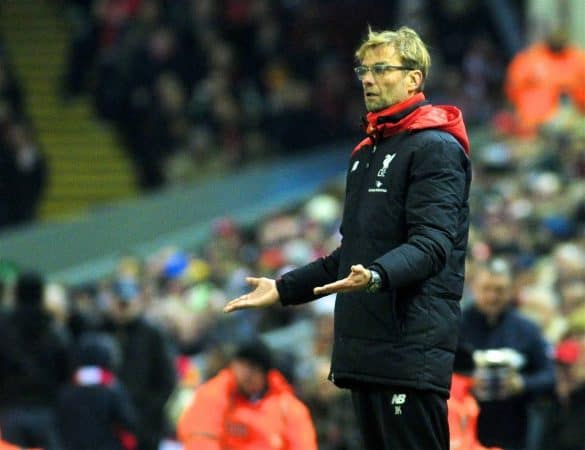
x,y
377,69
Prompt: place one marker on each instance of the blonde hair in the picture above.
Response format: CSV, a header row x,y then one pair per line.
x,y
407,43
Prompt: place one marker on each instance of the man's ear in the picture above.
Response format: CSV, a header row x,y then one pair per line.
x,y
415,79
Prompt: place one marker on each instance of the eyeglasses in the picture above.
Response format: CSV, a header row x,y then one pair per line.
x,y
377,69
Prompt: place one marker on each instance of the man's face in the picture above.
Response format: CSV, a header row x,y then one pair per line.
x,y
388,88
251,380
492,292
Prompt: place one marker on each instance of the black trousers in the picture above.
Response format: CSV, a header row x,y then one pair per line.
x,y
400,419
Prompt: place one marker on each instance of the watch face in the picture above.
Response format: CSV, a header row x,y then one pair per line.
x,y
374,283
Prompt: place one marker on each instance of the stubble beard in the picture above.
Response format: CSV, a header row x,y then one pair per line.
x,y
375,106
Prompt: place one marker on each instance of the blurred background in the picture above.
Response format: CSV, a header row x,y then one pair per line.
x,y
160,151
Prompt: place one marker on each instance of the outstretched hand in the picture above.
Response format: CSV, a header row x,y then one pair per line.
x,y
264,294
357,280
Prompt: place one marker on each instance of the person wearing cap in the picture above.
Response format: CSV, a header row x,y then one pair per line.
x,y
567,431
247,406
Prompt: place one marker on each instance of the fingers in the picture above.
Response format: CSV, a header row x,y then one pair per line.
x,y
356,280
239,303
242,301
326,289
263,294
339,286
253,281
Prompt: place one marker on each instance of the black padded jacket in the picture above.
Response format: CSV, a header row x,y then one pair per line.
x,y
406,215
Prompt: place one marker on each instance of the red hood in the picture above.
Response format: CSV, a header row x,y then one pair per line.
x,y
415,114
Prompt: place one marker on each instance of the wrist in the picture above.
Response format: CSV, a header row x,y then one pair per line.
x,y
375,283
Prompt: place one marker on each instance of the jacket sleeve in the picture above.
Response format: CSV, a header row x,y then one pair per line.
x,y
296,287
435,197
299,430
200,425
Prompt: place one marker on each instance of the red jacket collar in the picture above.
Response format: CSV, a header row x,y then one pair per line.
x,y
415,113
396,111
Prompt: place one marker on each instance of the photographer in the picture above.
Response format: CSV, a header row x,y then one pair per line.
x,y
512,365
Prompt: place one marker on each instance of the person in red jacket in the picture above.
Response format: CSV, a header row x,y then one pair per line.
x,y
247,406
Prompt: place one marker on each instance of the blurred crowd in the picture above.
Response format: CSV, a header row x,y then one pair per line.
x,y
528,204
196,86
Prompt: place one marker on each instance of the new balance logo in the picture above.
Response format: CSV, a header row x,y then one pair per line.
x,y
398,399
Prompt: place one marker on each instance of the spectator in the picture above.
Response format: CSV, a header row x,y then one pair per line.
x,y
94,410
540,76
34,363
506,387
247,406
567,431
147,367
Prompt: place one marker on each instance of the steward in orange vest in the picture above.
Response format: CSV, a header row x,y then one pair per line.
x,y
540,75
247,406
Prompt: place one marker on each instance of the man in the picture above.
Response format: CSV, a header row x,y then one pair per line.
x,y
400,266
147,368
540,75
247,406
94,410
507,381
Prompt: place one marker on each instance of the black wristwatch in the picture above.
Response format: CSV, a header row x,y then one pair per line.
x,y
375,283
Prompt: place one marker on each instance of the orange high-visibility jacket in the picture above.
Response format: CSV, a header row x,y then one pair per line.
x,y
219,418
462,415
7,446
537,77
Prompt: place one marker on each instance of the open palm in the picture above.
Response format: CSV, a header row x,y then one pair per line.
x,y
264,294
